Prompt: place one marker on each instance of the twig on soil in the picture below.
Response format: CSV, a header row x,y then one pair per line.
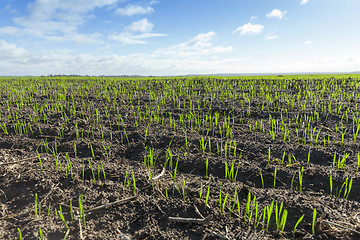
x,y
338,225
110,204
47,136
191,220
237,149
198,212
47,195
3,194
322,126
80,227
160,175
20,161
220,236
227,231
159,208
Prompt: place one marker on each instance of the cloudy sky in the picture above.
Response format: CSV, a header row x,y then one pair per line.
x,y
173,37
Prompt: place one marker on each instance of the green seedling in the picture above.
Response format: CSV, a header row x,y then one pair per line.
x,y
20,235
134,182
69,166
37,209
331,183
126,179
92,152
301,174
103,171
81,211
146,133
107,151
269,213
347,192
62,217
75,151
342,161
207,167
275,171
313,222
223,204
207,193
201,191
248,205
41,166
297,224
262,179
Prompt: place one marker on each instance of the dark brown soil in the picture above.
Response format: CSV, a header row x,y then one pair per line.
x,y
147,210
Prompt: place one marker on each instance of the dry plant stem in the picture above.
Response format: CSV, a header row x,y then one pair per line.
x,y
47,195
338,225
160,175
20,161
220,236
198,212
191,220
110,204
80,228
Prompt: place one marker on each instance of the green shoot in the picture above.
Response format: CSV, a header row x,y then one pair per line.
x,y
269,213
262,179
207,193
134,182
62,217
297,223
103,171
301,174
41,166
313,222
36,206
20,235
81,210
275,171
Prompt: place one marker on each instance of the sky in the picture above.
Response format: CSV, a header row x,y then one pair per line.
x,y
178,37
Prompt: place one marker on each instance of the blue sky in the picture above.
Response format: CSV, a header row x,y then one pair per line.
x,y
174,37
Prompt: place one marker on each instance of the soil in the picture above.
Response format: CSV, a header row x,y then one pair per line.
x,y
33,191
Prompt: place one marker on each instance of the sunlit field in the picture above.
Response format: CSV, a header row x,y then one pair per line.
x,y
203,157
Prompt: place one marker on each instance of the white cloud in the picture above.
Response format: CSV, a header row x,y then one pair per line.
x,y
129,34
253,18
78,38
276,13
142,25
272,37
64,10
9,52
132,10
308,42
129,38
15,60
249,28
303,2
199,45
57,20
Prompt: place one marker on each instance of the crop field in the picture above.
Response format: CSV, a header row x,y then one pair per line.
x,y
261,157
